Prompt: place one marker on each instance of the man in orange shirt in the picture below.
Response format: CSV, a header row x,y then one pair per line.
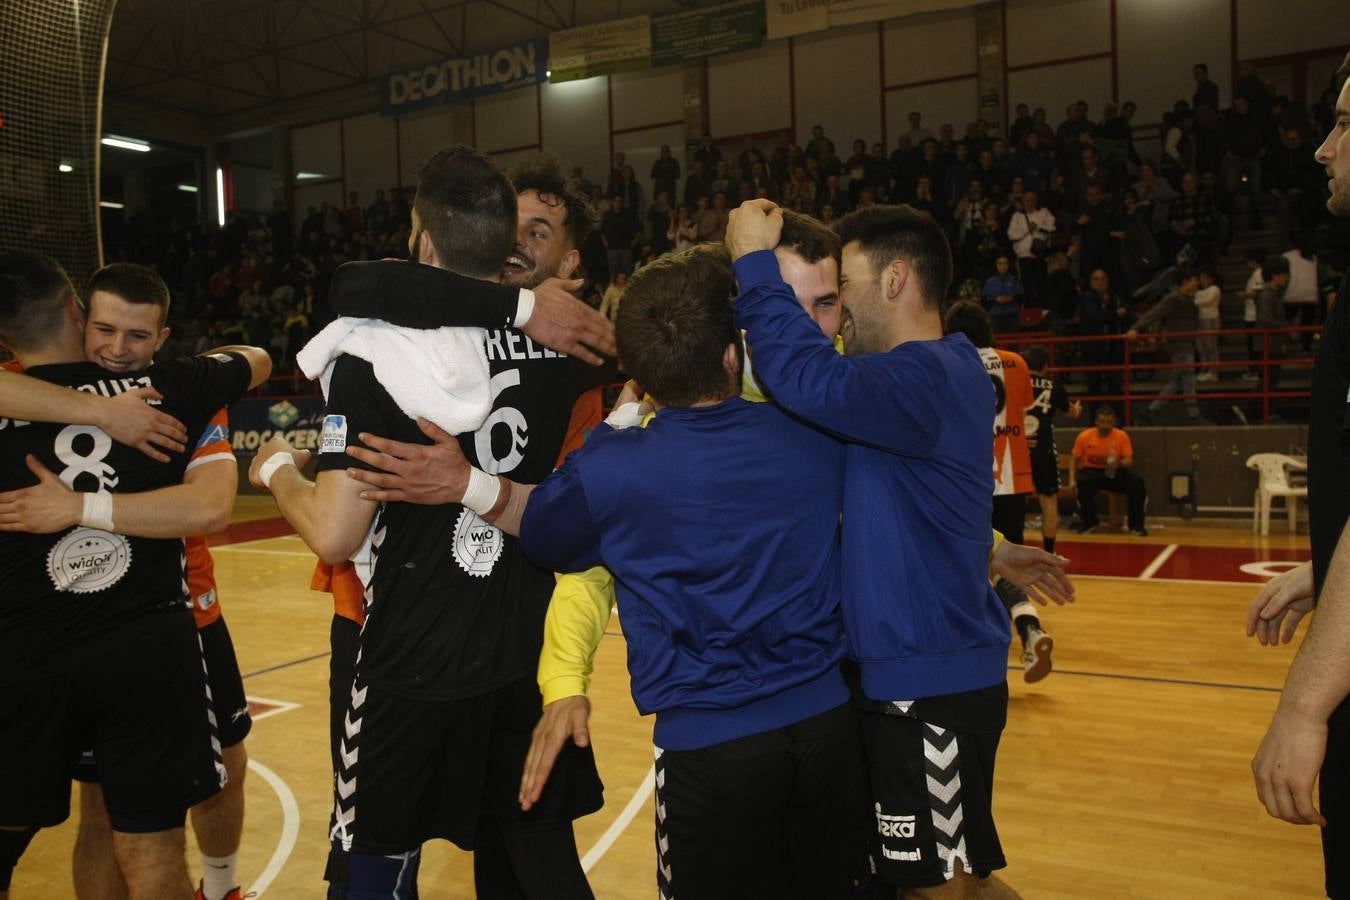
x,y
1106,457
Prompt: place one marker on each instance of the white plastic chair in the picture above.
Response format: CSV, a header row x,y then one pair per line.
x,y
1273,472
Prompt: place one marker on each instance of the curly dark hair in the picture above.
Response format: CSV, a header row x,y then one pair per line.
x,y
543,174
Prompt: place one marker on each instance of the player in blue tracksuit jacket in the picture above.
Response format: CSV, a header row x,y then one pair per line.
x,y
928,631
720,523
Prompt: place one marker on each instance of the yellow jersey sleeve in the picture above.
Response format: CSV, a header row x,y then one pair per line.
x,y
998,539
573,627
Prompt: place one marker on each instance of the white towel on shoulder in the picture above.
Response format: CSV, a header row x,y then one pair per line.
x,y
439,374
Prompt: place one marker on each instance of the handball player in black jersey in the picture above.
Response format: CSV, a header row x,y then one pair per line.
x,y
443,700
98,649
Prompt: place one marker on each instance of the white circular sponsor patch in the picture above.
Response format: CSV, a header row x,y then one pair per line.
x,y
88,560
477,545
1269,568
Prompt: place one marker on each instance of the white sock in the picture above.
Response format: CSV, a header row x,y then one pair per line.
x,y
218,875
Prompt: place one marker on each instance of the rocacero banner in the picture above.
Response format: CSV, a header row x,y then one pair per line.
x,y
253,422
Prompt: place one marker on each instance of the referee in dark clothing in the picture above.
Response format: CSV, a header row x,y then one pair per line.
x,y
1311,727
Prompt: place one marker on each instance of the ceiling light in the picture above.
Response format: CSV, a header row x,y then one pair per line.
x,y
65,167
110,204
308,176
125,143
220,196
190,188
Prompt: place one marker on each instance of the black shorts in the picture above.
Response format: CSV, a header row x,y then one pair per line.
x,y
1334,802
409,771
139,704
932,799
1045,473
775,814
233,721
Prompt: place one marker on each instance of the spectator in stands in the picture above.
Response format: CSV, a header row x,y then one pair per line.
x,y
1178,149
800,193
1246,145
620,231
1030,228
1033,162
969,210
1090,172
1002,295
353,217
816,145
1208,140
1301,296
856,165
1061,295
1103,460
377,214
984,244
1042,128
665,172
1102,313
1207,302
698,184
835,196
724,182
1270,313
613,185
1222,204
1098,229
1206,92
993,180
683,232
1155,195
1022,125
722,211
660,218
613,296
1192,215
1177,313
634,198
917,134
958,175
1294,178
1256,259
1066,135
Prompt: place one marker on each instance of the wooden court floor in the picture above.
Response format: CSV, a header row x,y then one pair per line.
x,y
1124,774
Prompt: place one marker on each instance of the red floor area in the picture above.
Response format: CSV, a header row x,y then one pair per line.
x,y
1224,563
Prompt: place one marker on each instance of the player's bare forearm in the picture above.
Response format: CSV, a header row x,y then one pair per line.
x,y
1319,678
330,518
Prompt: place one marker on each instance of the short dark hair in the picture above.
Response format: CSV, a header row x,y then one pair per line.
x,y
675,323
970,318
1202,67
468,208
1105,409
132,283
886,233
1037,357
33,294
543,174
808,237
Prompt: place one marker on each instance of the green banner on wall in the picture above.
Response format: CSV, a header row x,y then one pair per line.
x,y
685,36
619,46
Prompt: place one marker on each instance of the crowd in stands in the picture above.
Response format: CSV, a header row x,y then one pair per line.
x,y
1053,227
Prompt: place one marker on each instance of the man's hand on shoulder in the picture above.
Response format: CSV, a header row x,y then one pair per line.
x,y
427,474
752,226
129,419
562,322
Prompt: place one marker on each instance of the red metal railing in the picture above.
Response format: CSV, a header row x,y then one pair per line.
x,y
1066,353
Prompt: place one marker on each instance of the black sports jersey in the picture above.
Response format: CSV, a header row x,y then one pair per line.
x,y
455,609
1048,395
62,591
1329,436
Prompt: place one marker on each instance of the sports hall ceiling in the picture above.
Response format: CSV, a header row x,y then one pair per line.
x,y
229,65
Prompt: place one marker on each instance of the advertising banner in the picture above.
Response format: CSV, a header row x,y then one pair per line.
x,y
619,46
253,422
450,80
699,33
785,18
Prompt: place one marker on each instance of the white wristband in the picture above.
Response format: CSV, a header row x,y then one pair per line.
x,y
625,415
482,493
524,308
269,468
98,511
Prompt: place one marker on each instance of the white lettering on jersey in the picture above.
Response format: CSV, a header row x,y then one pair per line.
x,y
90,463
510,344
511,418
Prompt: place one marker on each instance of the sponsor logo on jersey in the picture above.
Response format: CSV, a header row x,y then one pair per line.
x,y
213,434
222,357
333,439
207,600
477,545
88,560
897,827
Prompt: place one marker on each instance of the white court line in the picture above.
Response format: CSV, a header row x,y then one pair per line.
x,y
281,707
290,828
1207,581
235,548
620,824
1158,561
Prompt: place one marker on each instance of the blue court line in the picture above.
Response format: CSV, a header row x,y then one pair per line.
x,y
1181,681
287,665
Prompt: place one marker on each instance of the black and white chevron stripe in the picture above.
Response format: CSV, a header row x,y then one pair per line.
x,y
343,827
664,889
217,755
942,765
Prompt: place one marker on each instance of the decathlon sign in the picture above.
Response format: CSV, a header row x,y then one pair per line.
x,y
510,67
